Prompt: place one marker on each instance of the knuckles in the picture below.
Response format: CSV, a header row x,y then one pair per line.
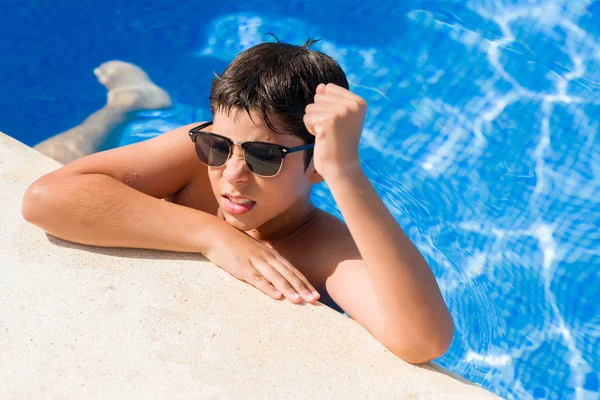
x,y
253,276
344,109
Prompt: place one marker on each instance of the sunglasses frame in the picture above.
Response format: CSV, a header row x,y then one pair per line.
x,y
197,131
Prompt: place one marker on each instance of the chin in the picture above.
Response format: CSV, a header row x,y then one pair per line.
x,y
238,223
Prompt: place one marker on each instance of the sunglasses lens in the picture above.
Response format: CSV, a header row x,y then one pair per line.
x,y
263,159
212,150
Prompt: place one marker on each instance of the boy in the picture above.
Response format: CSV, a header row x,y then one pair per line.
x,y
239,193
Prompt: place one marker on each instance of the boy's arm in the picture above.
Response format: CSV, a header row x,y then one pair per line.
x,y
408,314
113,198
390,289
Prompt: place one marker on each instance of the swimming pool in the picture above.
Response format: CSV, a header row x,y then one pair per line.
x,y
480,137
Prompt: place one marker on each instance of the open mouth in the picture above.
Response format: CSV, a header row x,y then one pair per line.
x,y
237,205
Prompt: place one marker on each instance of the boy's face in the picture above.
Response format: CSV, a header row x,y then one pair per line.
x,y
277,200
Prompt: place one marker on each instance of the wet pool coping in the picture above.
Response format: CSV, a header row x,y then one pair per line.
x,y
85,322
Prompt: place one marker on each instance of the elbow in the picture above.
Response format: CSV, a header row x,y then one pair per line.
x,y
424,352
28,207
424,349
36,201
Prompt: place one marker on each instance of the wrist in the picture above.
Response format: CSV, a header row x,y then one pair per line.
x,y
209,234
342,172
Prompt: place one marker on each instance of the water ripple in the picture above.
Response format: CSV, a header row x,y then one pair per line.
x,y
481,138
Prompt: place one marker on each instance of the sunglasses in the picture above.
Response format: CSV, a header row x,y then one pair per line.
x,y
262,158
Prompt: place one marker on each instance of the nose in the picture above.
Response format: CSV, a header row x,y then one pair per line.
x,y
236,171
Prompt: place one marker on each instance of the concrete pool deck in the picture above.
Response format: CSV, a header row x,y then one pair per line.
x,y
84,322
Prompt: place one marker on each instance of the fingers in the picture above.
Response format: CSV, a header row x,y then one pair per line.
x,y
336,102
257,280
308,289
287,280
332,88
313,119
329,101
334,99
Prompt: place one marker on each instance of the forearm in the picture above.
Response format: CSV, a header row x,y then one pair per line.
x,y
406,289
98,210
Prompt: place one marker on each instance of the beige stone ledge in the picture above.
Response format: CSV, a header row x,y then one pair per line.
x,y
79,322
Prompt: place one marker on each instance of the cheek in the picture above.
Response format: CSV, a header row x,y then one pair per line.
x,y
213,177
287,186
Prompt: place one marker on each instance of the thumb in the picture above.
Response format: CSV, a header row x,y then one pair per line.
x,y
310,124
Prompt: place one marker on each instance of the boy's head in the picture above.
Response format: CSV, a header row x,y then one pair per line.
x,y
262,96
276,81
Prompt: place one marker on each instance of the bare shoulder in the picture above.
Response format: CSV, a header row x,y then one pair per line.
x,y
339,273
321,247
333,264
334,236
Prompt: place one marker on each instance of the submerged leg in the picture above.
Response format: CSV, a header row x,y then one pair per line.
x,y
129,89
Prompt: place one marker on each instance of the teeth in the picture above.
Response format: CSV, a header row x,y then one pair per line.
x,y
239,201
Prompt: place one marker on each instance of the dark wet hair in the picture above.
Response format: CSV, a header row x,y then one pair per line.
x,y
276,80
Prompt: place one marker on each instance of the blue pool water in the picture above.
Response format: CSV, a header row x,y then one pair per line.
x,y
481,137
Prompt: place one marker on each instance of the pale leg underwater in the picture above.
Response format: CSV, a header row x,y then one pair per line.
x,y
129,89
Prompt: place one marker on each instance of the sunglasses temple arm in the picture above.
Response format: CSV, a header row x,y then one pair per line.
x,y
300,148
